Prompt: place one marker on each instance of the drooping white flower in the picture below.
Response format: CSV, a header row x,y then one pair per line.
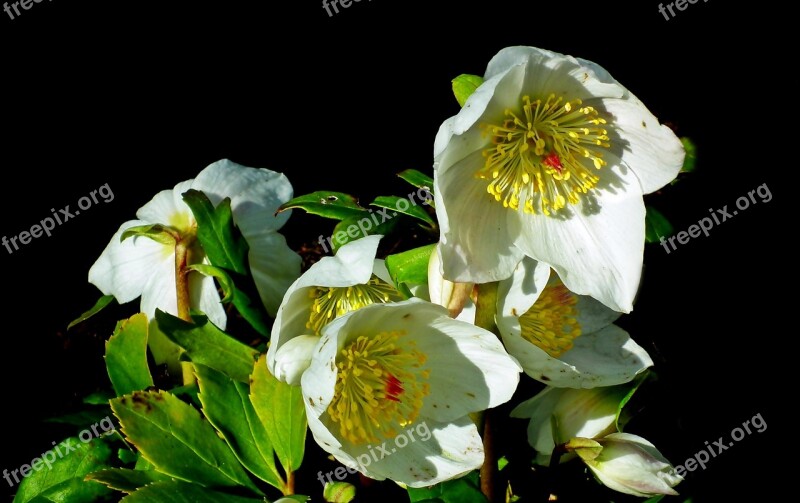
x,y
560,338
385,371
335,285
559,414
629,464
549,159
143,267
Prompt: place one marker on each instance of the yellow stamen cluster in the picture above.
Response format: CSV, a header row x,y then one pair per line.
x,y
543,156
551,323
330,303
379,384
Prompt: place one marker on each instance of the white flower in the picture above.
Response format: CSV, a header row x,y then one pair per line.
x,y
559,414
456,297
143,267
383,372
629,464
549,159
335,285
560,338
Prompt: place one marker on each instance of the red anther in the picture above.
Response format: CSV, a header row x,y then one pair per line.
x,y
553,161
394,388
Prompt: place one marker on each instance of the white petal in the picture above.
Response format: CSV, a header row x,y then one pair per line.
x,y
255,194
168,208
539,410
596,246
290,322
477,233
650,149
518,293
274,267
293,358
205,297
438,452
124,268
593,315
553,73
160,291
352,265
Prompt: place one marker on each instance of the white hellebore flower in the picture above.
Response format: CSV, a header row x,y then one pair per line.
x,y
560,338
559,414
335,285
383,372
628,464
549,158
140,266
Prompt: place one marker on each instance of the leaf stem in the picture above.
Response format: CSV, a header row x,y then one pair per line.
x,y
184,298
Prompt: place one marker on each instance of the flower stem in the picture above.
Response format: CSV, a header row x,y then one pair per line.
x,y
184,299
486,308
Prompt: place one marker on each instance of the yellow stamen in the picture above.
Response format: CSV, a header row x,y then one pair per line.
x,y
551,323
330,303
543,157
379,387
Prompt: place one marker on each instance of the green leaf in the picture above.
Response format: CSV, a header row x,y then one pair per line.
x,y
98,398
226,404
463,490
690,161
223,245
182,492
252,312
126,480
656,226
327,204
173,436
81,418
418,179
586,448
464,85
98,306
207,345
359,227
280,408
410,267
62,481
156,232
126,356
622,417
395,204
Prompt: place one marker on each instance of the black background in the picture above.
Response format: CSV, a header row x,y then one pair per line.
x,y
142,95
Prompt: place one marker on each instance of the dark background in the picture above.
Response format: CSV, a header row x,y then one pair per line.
x,y
142,95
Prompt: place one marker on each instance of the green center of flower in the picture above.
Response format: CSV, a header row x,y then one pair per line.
x,y
330,303
543,156
551,323
379,384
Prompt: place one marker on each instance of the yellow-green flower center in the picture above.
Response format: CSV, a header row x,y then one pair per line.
x,y
379,385
544,156
330,303
551,323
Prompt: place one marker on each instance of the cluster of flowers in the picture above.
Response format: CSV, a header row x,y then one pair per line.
x,y
538,185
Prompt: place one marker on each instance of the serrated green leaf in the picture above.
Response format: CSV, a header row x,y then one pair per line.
x,y
62,481
207,345
418,179
101,304
182,492
156,232
126,480
404,206
226,404
464,85
173,436
358,227
410,267
280,408
656,226
126,356
221,242
463,490
326,204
